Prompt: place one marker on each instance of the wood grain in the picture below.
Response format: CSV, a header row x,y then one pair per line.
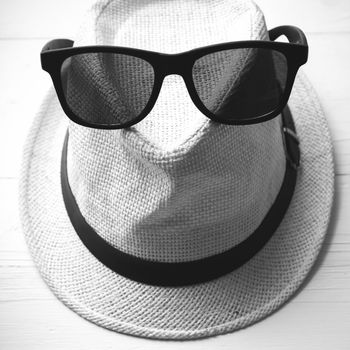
x,y
318,317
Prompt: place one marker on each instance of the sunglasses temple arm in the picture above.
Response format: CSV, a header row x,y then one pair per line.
x,y
294,34
57,44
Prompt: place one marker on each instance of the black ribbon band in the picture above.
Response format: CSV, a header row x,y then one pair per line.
x,y
196,271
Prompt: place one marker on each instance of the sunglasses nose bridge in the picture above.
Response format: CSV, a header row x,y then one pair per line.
x,y
174,64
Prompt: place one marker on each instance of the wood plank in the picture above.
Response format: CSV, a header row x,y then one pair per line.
x,y
326,68
40,18
22,86
311,16
298,326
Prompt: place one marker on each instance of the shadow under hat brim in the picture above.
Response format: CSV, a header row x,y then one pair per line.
x,y
225,304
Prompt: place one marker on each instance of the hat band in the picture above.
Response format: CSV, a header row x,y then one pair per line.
x,y
196,271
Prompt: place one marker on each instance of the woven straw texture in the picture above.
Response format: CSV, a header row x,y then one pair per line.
x,y
175,187
193,198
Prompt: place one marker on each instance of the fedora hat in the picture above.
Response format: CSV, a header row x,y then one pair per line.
x,y
178,226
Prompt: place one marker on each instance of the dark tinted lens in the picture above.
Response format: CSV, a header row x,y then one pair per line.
x,y
107,88
241,83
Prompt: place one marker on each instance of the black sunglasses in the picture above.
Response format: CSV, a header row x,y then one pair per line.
x,y
236,83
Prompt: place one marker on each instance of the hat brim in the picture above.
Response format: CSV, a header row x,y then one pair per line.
x,y
228,303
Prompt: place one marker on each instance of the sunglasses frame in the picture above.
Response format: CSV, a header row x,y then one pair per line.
x,y
55,52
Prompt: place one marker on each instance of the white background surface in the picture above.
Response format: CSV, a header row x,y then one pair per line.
x,y
31,317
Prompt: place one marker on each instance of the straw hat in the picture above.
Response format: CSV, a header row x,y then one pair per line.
x,y
175,187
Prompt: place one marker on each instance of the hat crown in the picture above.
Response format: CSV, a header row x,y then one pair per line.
x,y
176,186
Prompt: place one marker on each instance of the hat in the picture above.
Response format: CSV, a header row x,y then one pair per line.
x,y
175,190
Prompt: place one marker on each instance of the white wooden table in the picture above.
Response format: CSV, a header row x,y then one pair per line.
x,y
31,317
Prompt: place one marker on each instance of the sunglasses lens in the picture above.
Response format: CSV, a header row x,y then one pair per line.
x,y
241,84
107,88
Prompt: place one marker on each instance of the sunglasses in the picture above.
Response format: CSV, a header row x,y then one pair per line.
x,y
236,83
